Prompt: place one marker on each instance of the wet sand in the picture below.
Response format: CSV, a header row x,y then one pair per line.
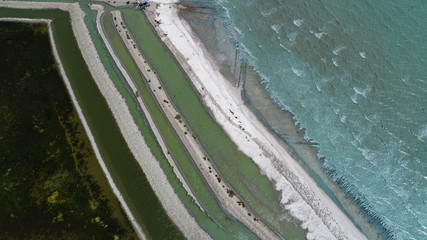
x,y
179,215
220,188
304,200
300,195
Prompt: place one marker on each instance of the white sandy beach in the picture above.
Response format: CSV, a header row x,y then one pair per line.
x,y
220,188
128,128
300,194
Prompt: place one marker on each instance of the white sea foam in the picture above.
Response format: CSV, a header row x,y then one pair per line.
x,y
338,50
298,22
362,54
276,27
318,35
354,98
297,71
238,31
357,90
305,201
422,133
367,153
335,62
405,79
292,36
267,13
363,92
284,47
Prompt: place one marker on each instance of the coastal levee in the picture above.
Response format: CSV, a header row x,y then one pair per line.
x,y
215,216
182,157
234,167
230,202
300,196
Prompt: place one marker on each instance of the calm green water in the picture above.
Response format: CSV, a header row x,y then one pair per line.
x,y
240,171
125,170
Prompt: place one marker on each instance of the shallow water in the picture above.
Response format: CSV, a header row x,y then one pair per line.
x,y
237,169
354,76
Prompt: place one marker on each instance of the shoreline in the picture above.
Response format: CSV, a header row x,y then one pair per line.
x,y
324,217
127,126
281,123
219,187
306,200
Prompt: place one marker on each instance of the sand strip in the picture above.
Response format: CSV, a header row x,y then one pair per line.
x,y
128,128
304,200
223,192
183,221
131,84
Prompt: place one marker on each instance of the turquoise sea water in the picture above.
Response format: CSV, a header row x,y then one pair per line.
x,y
354,74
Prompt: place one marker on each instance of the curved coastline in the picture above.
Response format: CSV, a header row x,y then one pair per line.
x,y
238,70
230,202
239,170
300,195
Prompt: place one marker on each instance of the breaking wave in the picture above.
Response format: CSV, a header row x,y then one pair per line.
x,y
331,68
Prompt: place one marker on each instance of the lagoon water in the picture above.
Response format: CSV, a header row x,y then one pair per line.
x,y
354,75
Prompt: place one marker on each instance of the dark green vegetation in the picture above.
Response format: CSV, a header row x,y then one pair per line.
x,y
126,172
51,184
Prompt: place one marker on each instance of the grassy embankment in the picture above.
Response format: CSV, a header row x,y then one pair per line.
x,y
227,227
236,168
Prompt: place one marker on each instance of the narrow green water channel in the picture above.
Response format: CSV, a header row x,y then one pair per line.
x,y
223,227
240,171
121,164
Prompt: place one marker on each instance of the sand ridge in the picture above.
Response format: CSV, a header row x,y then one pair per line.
x,y
301,196
184,221
223,192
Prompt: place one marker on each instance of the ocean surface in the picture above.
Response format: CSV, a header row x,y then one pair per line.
x,y
354,75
